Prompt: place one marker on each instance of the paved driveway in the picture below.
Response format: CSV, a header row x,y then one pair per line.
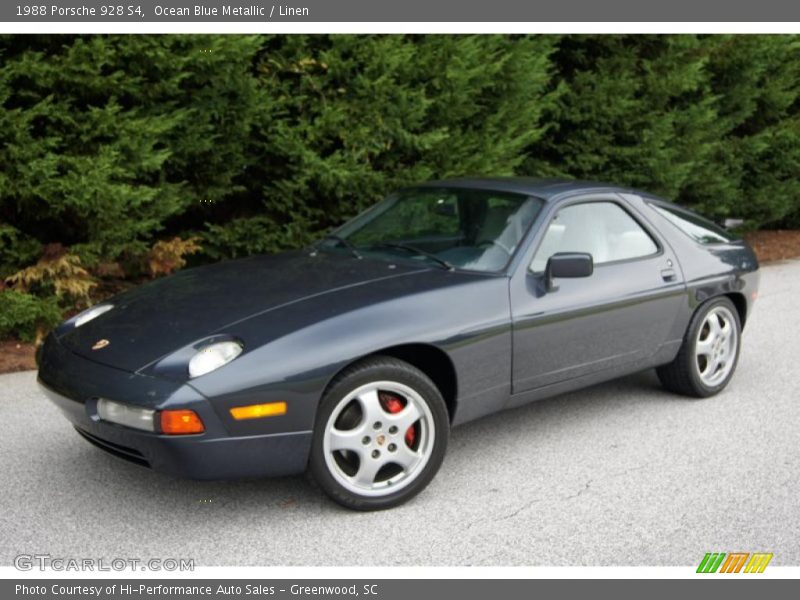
x,y
619,474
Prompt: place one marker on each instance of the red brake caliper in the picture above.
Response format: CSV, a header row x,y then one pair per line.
x,y
393,404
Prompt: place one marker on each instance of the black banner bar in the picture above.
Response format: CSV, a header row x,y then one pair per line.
x,y
400,11
394,589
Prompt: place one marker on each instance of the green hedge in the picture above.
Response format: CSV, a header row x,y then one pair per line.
x,y
25,316
259,143
712,122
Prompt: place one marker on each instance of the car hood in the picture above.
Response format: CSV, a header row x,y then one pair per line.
x,y
156,319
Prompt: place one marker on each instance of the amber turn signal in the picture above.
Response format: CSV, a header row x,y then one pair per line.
x,y
257,411
180,422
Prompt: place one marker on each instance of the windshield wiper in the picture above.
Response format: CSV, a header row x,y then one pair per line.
x,y
337,238
414,250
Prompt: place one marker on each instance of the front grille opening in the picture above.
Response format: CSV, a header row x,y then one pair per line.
x,y
117,450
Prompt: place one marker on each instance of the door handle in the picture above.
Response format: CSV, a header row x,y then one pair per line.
x,y
668,274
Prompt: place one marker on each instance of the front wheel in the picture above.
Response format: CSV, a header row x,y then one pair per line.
x,y
380,435
709,353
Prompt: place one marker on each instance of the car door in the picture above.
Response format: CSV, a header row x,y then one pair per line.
x,y
620,314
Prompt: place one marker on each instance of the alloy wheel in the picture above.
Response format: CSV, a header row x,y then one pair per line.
x,y
378,438
716,346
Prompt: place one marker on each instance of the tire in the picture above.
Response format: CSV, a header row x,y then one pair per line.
x,y
380,435
707,357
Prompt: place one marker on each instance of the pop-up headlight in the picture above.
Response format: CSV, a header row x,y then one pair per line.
x,y
212,357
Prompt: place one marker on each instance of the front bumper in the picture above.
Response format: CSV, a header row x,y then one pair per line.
x,y
74,383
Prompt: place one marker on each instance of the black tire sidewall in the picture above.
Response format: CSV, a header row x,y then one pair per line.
x,y
379,369
697,323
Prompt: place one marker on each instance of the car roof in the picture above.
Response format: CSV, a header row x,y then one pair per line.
x,y
544,188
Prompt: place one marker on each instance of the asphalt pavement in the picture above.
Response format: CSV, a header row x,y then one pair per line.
x,y
618,474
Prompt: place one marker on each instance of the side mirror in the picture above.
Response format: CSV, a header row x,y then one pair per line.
x,y
567,265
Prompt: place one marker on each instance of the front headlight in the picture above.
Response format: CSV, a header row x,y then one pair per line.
x,y
213,357
91,313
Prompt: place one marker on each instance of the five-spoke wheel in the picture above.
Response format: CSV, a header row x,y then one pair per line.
x,y
716,346
709,352
380,436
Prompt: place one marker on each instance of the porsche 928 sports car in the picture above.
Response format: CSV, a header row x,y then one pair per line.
x,y
443,303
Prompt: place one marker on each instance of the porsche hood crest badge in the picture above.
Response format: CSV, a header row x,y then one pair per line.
x,y
100,344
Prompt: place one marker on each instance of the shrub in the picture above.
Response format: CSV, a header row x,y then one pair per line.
x,y
26,316
58,274
168,255
16,250
259,234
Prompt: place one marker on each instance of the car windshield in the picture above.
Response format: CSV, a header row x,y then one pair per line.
x,y
472,229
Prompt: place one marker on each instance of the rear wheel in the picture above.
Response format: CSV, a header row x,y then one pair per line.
x,y
380,436
709,353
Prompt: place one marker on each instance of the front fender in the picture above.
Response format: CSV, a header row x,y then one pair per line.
x,y
301,347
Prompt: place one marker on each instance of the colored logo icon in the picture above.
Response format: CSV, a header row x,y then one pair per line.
x,y
735,562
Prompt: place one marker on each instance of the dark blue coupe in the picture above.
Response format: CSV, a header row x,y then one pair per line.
x,y
443,303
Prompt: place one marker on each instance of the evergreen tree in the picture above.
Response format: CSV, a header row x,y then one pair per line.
x,y
356,116
708,121
755,82
104,138
635,112
129,150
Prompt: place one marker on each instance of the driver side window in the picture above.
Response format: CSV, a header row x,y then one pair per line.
x,y
603,229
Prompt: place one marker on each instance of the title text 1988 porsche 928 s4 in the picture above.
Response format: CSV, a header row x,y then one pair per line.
x,y
445,302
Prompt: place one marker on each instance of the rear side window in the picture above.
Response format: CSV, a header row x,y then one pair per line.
x,y
696,227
